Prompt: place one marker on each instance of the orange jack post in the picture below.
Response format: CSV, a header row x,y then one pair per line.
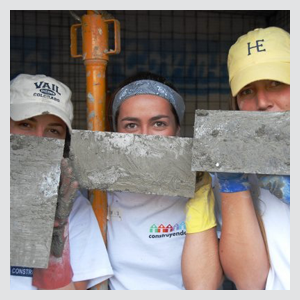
x,y
95,55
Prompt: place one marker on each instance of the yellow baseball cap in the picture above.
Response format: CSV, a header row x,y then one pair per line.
x,y
261,54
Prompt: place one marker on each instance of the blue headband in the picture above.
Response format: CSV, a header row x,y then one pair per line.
x,y
148,87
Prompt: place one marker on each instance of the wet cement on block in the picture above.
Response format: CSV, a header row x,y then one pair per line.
x,y
134,163
241,142
34,180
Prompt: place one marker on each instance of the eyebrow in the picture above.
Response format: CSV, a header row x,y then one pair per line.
x,y
160,117
33,119
129,119
30,119
56,124
155,118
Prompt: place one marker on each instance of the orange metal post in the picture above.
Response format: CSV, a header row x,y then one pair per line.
x,y
95,54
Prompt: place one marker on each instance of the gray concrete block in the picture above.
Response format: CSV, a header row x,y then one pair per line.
x,y
135,163
241,142
34,181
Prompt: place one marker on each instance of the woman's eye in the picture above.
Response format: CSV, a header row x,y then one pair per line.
x,y
159,124
130,125
54,131
275,83
245,92
24,125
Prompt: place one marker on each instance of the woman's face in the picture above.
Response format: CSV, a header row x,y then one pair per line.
x,y
43,126
147,114
264,95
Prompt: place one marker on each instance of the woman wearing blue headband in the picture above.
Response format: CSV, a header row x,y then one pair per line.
x,y
146,233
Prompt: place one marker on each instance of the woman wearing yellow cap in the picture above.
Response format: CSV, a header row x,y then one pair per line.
x,y
255,236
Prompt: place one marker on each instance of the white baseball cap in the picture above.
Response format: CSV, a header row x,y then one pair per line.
x,y
33,95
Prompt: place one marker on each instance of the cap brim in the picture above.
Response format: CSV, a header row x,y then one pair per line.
x,y
27,110
267,71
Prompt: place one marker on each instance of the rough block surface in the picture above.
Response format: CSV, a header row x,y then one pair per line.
x,y
34,181
135,163
241,142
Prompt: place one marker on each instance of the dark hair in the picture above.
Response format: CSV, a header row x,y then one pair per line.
x,y
67,144
232,103
141,76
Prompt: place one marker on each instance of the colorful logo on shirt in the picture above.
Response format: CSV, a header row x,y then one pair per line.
x,y
21,271
162,231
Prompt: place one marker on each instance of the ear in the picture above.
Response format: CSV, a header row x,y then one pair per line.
x,y
178,131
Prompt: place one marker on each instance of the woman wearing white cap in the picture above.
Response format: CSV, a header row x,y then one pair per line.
x,y
255,236
41,106
146,233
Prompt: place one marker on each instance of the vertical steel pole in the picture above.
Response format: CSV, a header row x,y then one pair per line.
x,y
95,54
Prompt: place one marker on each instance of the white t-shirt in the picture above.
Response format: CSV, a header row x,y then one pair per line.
x,y
276,218
145,239
89,258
